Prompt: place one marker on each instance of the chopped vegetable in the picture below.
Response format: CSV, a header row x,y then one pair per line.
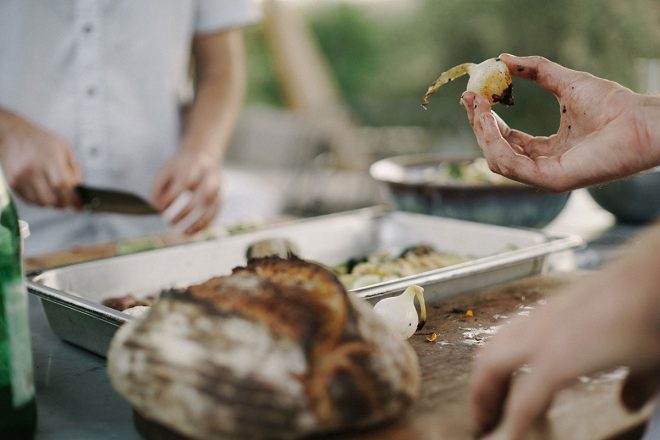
x,y
455,170
432,337
380,266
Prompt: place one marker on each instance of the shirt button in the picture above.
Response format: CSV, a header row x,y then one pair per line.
x,y
88,28
94,151
91,91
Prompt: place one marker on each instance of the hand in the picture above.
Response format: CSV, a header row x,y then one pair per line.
x,y
197,173
38,166
220,83
609,320
602,133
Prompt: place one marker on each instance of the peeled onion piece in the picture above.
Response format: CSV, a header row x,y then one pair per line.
x,y
490,78
400,314
277,350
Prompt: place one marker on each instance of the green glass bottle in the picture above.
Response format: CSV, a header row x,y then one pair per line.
x,y
18,410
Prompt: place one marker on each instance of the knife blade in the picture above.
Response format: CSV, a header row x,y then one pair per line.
x,y
113,201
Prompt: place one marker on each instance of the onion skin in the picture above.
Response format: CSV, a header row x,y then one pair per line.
x,y
491,79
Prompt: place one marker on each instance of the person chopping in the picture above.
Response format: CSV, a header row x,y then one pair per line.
x,y
91,92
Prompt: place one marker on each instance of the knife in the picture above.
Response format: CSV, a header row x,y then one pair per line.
x,y
113,201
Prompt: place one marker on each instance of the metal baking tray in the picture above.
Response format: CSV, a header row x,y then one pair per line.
x,y
71,295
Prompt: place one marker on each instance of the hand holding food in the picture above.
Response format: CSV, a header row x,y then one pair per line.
x,y
195,176
604,131
490,78
278,349
38,165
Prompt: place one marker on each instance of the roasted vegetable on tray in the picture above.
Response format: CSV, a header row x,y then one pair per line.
x,y
382,266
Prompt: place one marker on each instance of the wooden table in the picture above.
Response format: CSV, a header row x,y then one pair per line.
x,y
588,410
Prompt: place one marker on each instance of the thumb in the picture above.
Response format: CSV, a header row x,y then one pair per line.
x,y
547,74
467,101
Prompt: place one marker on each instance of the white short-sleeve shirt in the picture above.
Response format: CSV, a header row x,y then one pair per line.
x,y
106,76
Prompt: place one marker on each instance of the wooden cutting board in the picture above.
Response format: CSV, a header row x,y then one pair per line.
x,y
587,410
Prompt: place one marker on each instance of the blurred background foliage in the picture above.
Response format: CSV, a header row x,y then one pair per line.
x,y
385,57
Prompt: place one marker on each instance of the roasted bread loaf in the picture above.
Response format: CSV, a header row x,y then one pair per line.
x,y
278,349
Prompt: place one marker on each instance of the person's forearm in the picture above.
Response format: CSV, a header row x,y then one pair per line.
x,y
220,88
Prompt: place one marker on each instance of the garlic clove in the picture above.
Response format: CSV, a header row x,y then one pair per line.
x,y
491,78
399,312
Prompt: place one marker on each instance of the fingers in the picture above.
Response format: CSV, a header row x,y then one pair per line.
x,y
175,178
75,178
164,192
34,187
500,392
45,193
487,130
43,171
62,181
490,386
502,158
493,368
203,196
191,213
210,213
206,201
518,139
521,141
549,75
531,395
467,100
28,193
190,202
517,399
513,153
187,193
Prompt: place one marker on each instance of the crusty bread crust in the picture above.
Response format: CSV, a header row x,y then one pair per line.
x,y
278,347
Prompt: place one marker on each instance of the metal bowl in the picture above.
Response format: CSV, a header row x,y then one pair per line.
x,y
635,199
502,204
